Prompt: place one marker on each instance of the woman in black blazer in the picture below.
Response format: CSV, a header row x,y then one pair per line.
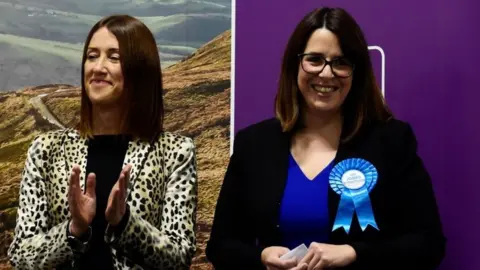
x,y
333,171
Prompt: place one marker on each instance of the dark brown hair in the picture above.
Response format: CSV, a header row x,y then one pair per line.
x,y
143,89
364,103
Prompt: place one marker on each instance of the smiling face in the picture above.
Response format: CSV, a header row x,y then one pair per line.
x,y
323,91
103,71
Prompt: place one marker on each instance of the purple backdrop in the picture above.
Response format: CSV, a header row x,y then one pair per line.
x,y
432,59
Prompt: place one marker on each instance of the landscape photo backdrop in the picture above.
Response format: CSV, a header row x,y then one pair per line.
x,y
40,59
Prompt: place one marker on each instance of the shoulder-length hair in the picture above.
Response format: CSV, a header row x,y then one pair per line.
x,y
143,86
364,103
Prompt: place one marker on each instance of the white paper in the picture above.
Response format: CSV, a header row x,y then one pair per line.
x,y
298,253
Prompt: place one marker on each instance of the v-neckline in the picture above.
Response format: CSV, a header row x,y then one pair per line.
x,y
302,171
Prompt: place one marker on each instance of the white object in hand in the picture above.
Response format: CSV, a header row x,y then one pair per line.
x,y
298,253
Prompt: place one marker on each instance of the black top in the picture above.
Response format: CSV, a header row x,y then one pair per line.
x,y
106,154
247,213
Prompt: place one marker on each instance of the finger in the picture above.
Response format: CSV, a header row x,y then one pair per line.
x,y
91,184
282,251
71,183
314,262
76,168
284,264
71,178
298,267
74,183
112,197
121,186
127,169
321,265
121,181
308,257
127,175
303,266
116,201
71,187
73,193
117,206
120,201
108,211
111,204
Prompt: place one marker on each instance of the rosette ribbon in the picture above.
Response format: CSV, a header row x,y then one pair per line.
x,y
353,179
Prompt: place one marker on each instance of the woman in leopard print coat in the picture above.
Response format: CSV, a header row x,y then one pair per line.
x,y
118,192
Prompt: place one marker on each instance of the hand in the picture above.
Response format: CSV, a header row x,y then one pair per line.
x,y
117,205
82,206
271,258
324,256
303,266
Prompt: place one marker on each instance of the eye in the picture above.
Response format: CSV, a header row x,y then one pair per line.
x,y
92,56
115,56
342,62
314,60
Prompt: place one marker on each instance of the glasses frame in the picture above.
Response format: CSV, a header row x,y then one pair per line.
x,y
327,63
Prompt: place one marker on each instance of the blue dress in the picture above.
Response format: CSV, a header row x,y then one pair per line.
x,y
304,216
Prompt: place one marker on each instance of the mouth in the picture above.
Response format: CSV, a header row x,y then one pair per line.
x,y
100,82
324,89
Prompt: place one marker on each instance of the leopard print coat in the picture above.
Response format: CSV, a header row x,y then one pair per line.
x,y
162,197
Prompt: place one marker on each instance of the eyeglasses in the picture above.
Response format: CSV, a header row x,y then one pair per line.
x,y
314,63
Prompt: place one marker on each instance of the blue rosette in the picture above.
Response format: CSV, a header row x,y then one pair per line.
x,y
353,179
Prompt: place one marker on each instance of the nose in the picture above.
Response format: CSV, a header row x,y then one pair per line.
x,y
99,65
327,72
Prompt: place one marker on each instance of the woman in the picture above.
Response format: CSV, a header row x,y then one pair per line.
x,y
333,171
119,192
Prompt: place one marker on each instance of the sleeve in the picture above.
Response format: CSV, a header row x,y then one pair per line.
x,y
37,244
232,244
421,243
173,245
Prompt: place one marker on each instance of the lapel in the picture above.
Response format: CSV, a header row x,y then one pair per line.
x,y
345,151
76,152
280,148
75,149
137,155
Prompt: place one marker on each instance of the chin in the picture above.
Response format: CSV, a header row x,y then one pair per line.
x,y
323,107
100,99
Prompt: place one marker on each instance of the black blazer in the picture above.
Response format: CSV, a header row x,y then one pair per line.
x,y
403,202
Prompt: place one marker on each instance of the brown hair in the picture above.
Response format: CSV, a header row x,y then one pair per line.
x,y
364,103
143,87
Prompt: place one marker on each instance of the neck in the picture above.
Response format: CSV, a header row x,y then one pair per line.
x,y
319,122
324,128
106,121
